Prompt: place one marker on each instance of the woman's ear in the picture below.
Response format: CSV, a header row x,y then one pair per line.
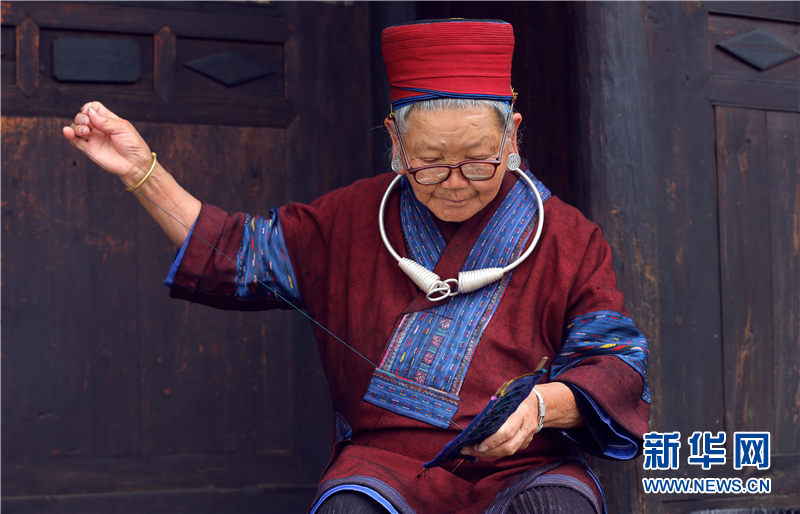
x,y
517,121
389,124
397,162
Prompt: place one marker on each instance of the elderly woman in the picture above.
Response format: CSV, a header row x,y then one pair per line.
x,y
494,275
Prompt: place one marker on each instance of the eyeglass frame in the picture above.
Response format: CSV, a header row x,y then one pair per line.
x,y
496,162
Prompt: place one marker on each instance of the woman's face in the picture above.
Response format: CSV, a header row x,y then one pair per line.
x,y
450,136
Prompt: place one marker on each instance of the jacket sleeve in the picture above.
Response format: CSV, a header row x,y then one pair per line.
x,y
603,359
235,262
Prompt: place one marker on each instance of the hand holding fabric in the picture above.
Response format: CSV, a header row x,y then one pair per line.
x,y
516,433
518,430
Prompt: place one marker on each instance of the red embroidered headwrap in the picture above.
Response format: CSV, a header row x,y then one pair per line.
x,y
449,59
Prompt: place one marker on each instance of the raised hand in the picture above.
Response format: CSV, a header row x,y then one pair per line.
x,y
110,141
116,146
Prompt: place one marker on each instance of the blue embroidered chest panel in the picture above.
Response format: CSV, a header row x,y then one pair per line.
x,y
423,368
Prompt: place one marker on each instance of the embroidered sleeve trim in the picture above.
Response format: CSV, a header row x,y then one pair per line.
x,y
263,266
604,333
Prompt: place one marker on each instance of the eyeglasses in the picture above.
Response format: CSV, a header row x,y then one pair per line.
x,y
471,169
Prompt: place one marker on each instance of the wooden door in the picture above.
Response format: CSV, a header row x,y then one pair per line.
x,y
690,165
114,397
754,87
740,189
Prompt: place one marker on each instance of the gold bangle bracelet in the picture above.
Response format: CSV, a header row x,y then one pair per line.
x,y
152,167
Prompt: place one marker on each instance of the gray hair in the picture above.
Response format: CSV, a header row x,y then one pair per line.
x,y
500,108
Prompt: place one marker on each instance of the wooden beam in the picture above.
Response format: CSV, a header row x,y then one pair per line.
x,y
28,57
164,51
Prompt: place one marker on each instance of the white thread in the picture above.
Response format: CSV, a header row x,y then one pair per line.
x,y
430,283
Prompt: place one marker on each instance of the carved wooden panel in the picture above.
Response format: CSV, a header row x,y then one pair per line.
x,y
230,68
754,62
759,49
96,59
167,40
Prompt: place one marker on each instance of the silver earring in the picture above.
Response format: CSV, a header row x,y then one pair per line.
x,y
513,162
397,166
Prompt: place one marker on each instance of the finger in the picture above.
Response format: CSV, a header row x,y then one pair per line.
x,y
505,433
470,450
474,451
77,142
519,441
81,119
81,131
100,109
102,123
74,129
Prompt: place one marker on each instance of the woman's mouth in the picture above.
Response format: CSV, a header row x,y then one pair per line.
x,y
454,201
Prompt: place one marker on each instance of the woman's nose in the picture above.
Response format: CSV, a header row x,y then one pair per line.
x,y
456,180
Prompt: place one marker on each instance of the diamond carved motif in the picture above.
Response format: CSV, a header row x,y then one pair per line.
x,y
229,68
759,49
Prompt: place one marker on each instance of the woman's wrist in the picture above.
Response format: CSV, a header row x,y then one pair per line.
x,y
140,172
562,411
